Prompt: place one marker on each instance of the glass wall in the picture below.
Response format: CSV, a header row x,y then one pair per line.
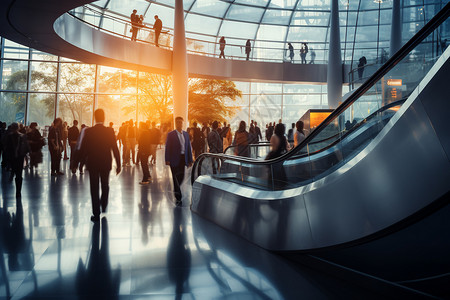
x,y
37,87
270,25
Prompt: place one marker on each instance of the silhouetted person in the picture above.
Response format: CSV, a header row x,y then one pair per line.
x,y
178,155
278,142
313,56
155,138
299,135
72,136
214,139
96,146
131,142
198,142
258,133
222,43
362,62
144,151
241,141
3,142
64,133
134,18
303,52
226,135
36,142
80,161
17,147
55,146
215,144
269,132
97,280
290,135
291,52
179,254
248,49
157,26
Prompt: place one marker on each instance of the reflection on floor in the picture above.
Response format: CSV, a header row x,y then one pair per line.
x,y
144,247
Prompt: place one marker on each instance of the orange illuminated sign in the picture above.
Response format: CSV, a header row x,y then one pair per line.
x,y
394,93
317,117
394,82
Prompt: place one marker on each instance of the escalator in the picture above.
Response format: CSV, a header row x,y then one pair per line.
x,y
377,163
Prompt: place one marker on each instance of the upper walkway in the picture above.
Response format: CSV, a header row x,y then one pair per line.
x,y
54,31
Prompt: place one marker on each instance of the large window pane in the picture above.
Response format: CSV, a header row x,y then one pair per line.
x,y
76,107
117,108
43,76
77,77
210,8
12,107
238,29
41,109
14,50
198,23
14,75
245,13
38,55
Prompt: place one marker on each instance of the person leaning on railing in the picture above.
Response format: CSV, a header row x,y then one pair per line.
x,y
248,49
222,44
157,27
134,25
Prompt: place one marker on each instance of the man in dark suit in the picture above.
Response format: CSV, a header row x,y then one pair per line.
x,y
178,155
96,147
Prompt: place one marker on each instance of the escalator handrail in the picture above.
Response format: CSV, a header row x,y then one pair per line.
x,y
343,134
423,33
299,156
260,144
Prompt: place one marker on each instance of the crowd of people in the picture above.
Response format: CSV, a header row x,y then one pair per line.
x,y
21,146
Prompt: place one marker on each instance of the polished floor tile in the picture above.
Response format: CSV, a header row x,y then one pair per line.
x,y
144,247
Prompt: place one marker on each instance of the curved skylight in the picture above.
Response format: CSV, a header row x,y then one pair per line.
x,y
271,24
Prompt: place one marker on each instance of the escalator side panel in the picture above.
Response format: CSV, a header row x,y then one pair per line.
x,y
401,171
439,98
267,218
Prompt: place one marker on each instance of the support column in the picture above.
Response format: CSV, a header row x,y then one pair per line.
x,y
179,66
2,50
26,117
58,81
396,28
137,98
334,74
95,103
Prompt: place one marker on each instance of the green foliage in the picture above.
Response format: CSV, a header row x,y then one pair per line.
x,y
208,100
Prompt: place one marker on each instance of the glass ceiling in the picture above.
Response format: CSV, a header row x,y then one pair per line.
x,y
271,24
